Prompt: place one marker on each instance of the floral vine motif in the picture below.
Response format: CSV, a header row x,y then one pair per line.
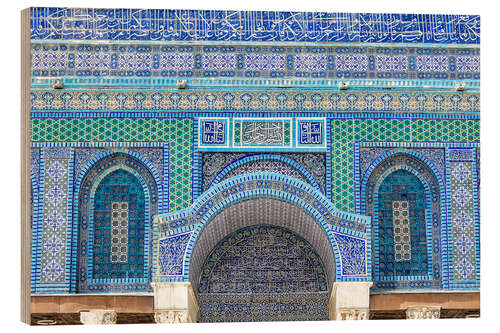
x,y
171,254
352,251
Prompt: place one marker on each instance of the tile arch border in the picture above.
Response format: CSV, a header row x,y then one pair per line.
x,y
319,198
384,156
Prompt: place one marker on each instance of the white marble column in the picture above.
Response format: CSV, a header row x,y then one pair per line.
x,y
350,301
98,317
423,312
174,302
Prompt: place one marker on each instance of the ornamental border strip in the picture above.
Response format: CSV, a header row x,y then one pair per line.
x,y
253,62
260,114
477,211
197,174
237,100
37,229
62,286
151,83
472,284
263,44
329,164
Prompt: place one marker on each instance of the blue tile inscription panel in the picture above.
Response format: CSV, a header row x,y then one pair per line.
x,y
254,26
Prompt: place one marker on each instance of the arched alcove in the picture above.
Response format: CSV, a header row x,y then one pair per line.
x,y
116,202
282,297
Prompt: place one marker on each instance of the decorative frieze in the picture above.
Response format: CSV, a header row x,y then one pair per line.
x,y
98,317
196,61
423,312
353,314
291,100
171,316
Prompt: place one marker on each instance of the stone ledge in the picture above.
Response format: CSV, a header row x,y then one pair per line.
x,y
77,303
446,300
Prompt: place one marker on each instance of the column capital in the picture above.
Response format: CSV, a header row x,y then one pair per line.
x,y
423,312
98,317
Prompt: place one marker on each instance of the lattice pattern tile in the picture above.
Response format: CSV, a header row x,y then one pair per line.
x,y
178,132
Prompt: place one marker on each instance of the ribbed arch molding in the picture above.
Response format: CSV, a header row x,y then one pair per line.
x,y
280,200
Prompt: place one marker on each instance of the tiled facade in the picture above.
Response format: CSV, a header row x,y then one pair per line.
x,y
135,177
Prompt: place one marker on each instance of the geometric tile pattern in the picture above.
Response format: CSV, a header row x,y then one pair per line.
x,y
119,227
178,132
55,215
347,131
462,209
254,26
401,222
159,100
127,60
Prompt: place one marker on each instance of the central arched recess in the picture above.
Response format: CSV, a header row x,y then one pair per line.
x,y
262,260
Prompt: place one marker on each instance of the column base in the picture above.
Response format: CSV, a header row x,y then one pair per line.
x,y
98,317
